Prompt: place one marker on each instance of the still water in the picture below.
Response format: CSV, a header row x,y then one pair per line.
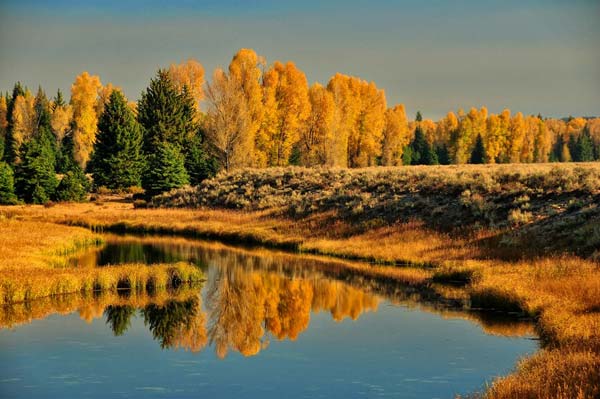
x,y
263,324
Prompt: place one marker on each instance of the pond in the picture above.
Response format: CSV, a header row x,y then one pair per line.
x,y
263,324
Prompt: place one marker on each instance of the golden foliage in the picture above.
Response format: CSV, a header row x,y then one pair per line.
x,y
395,136
84,94
286,109
3,116
235,111
23,119
189,74
316,135
61,120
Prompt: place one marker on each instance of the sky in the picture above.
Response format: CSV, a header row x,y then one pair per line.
x,y
533,56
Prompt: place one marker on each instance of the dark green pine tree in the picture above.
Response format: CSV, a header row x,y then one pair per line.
x,y
119,318
584,149
65,158
556,154
422,152
7,185
162,114
419,117
572,145
165,170
117,161
198,163
73,186
11,147
59,101
36,179
478,155
443,155
43,127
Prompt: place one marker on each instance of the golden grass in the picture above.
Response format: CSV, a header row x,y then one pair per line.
x,y
557,374
34,257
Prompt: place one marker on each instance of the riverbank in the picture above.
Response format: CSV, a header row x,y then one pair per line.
x,y
34,264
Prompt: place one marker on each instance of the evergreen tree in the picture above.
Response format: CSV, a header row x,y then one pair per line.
x,y
198,163
43,128
556,154
419,117
74,186
584,149
59,101
117,160
478,155
65,157
572,145
163,114
7,185
36,179
165,170
443,155
422,152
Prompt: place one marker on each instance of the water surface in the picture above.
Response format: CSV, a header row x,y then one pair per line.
x,y
264,324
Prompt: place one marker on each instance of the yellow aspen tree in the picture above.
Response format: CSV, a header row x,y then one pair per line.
x,y
528,146
287,107
23,120
347,108
191,74
3,117
593,126
504,131
227,122
61,120
445,128
465,136
84,96
316,135
364,141
496,137
429,128
543,142
395,136
245,72
575,126
516,137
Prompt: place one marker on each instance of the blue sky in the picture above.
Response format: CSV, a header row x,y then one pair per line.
x,y
436,56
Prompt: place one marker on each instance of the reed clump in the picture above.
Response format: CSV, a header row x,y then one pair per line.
x,y
24,285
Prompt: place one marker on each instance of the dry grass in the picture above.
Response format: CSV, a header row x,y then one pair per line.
x,y
34,257
551,374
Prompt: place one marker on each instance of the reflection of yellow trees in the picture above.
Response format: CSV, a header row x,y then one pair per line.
x,y
342,300
246,304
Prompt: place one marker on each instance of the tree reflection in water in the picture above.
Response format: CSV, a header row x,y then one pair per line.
x,y
245,308
250,298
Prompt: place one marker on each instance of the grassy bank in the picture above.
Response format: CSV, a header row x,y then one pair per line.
x,y
521,239
34,264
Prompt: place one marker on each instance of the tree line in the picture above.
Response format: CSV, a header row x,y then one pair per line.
x,y
184,129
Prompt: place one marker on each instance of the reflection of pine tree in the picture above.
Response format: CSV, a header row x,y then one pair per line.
x,y
165,322
119,318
